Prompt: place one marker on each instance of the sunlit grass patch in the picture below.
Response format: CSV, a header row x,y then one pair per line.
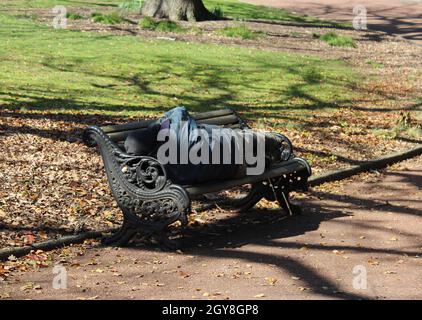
x,y
333,39
109,18
242,32
130,5
74,16
163,25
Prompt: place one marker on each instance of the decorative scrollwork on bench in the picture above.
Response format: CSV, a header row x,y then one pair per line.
x,y
140,185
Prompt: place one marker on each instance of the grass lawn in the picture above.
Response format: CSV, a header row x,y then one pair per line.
x,y
64,71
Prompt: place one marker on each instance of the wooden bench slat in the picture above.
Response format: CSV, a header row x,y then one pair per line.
x,y
130,126
222,120
122,135
223,117
213,114
217,117
282,168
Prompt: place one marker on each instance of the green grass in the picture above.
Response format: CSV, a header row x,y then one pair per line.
x,y
163,25
148,23
110,18
26,15
73,16
375,65
62,71
242,32
131,5
333,39
168,26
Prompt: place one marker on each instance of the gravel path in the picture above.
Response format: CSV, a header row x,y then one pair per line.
x,y
399,17
370,225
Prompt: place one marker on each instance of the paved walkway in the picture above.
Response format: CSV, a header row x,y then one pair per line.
x,y
400,17
360,240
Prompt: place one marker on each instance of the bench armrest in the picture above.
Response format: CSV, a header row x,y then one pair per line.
x,y
139,184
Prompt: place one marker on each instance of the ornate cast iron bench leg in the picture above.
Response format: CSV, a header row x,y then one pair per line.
x,y
283,199
148,200
256,193
264,190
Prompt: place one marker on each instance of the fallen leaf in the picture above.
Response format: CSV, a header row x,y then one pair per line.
x,y
4,295
373,262
27,286
29,239
271,281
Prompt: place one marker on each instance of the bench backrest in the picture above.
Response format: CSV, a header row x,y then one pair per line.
x,y
224,117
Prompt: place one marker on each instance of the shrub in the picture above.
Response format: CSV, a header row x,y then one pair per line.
x,y
218,12
333,39
111,18
164,25
148,23
240,32
73,16
131,5
168,26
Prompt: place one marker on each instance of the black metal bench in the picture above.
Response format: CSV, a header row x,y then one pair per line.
x,y
150,201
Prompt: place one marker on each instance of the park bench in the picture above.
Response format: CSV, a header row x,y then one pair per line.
x,y
150,201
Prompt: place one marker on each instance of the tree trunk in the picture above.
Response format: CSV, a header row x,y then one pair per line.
x,y
191,10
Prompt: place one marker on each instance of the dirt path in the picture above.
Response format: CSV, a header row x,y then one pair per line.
x,y
400,17
371,224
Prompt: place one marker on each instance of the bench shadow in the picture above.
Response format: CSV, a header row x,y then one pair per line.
x,y
222,238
